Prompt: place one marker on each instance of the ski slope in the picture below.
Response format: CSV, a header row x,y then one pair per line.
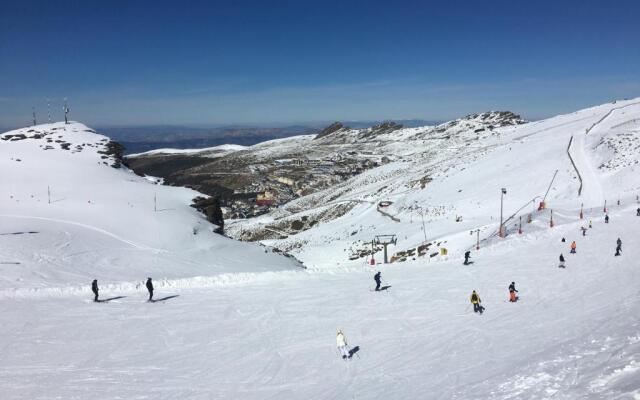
x,y
465,180
234,320
575,334
68,216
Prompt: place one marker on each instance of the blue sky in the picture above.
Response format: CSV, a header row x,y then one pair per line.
x,y
156,62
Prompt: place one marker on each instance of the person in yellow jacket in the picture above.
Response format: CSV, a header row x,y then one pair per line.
x,y
475,300
341,341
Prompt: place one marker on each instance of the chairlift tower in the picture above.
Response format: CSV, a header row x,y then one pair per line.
x,y
385,240
33,109
501,233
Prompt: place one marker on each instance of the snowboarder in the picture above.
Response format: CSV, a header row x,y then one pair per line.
x,y
94,289
606,219
618,247
512,293
561,261
573,247
341,341
376,278
584,231
475,300
150,289
467,255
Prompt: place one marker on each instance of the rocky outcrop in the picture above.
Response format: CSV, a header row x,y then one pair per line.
x,y
335,127
210,206
380,129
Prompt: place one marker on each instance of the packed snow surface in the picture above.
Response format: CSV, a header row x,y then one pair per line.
x,y
250,324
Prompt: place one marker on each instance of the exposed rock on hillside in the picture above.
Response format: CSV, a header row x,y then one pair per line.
x,y
336,126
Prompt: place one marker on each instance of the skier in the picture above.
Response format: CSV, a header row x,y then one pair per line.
x,y
573,247
150,289
563,240
638,212
475,300
584,231
618,247
561,261
94,289
590,226
341,341
512,293
467,255
376,278
606,219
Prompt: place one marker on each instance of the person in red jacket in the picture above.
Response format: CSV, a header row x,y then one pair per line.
x,y
513,297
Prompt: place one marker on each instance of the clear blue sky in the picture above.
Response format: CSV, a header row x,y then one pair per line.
x,y
188,62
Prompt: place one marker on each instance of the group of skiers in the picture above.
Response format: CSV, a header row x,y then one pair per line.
x,y
574,246
475,299
95,290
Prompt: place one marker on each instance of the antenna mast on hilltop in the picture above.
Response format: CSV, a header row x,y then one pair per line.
x,y
34,116
66,111
48,111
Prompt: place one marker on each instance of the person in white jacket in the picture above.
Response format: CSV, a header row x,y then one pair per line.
x,y
341,341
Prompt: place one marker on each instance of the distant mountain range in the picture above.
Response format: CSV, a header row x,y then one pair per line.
x,y
137,139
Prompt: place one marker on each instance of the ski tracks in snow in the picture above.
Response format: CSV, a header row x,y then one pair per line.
x,y
90,227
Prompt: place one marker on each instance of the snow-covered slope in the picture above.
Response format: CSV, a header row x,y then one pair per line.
x,y
574,334
215,151
69,216
456,172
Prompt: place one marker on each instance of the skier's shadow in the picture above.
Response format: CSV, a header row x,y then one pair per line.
x,y
468,263
111,298
354,351
384,288
165,298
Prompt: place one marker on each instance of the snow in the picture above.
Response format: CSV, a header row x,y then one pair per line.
x,y
102,222
467,175
215,150
252,325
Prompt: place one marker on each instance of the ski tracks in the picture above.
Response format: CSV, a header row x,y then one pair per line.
x,y
86,226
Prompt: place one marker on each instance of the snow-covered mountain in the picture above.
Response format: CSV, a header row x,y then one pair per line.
x,y
269,332
451,176
71,213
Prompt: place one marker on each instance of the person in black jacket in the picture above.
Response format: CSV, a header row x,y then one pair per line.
x,y
467,254
561,261
150,289
606,219
512,293
618,247
94,289
376,278
638,212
